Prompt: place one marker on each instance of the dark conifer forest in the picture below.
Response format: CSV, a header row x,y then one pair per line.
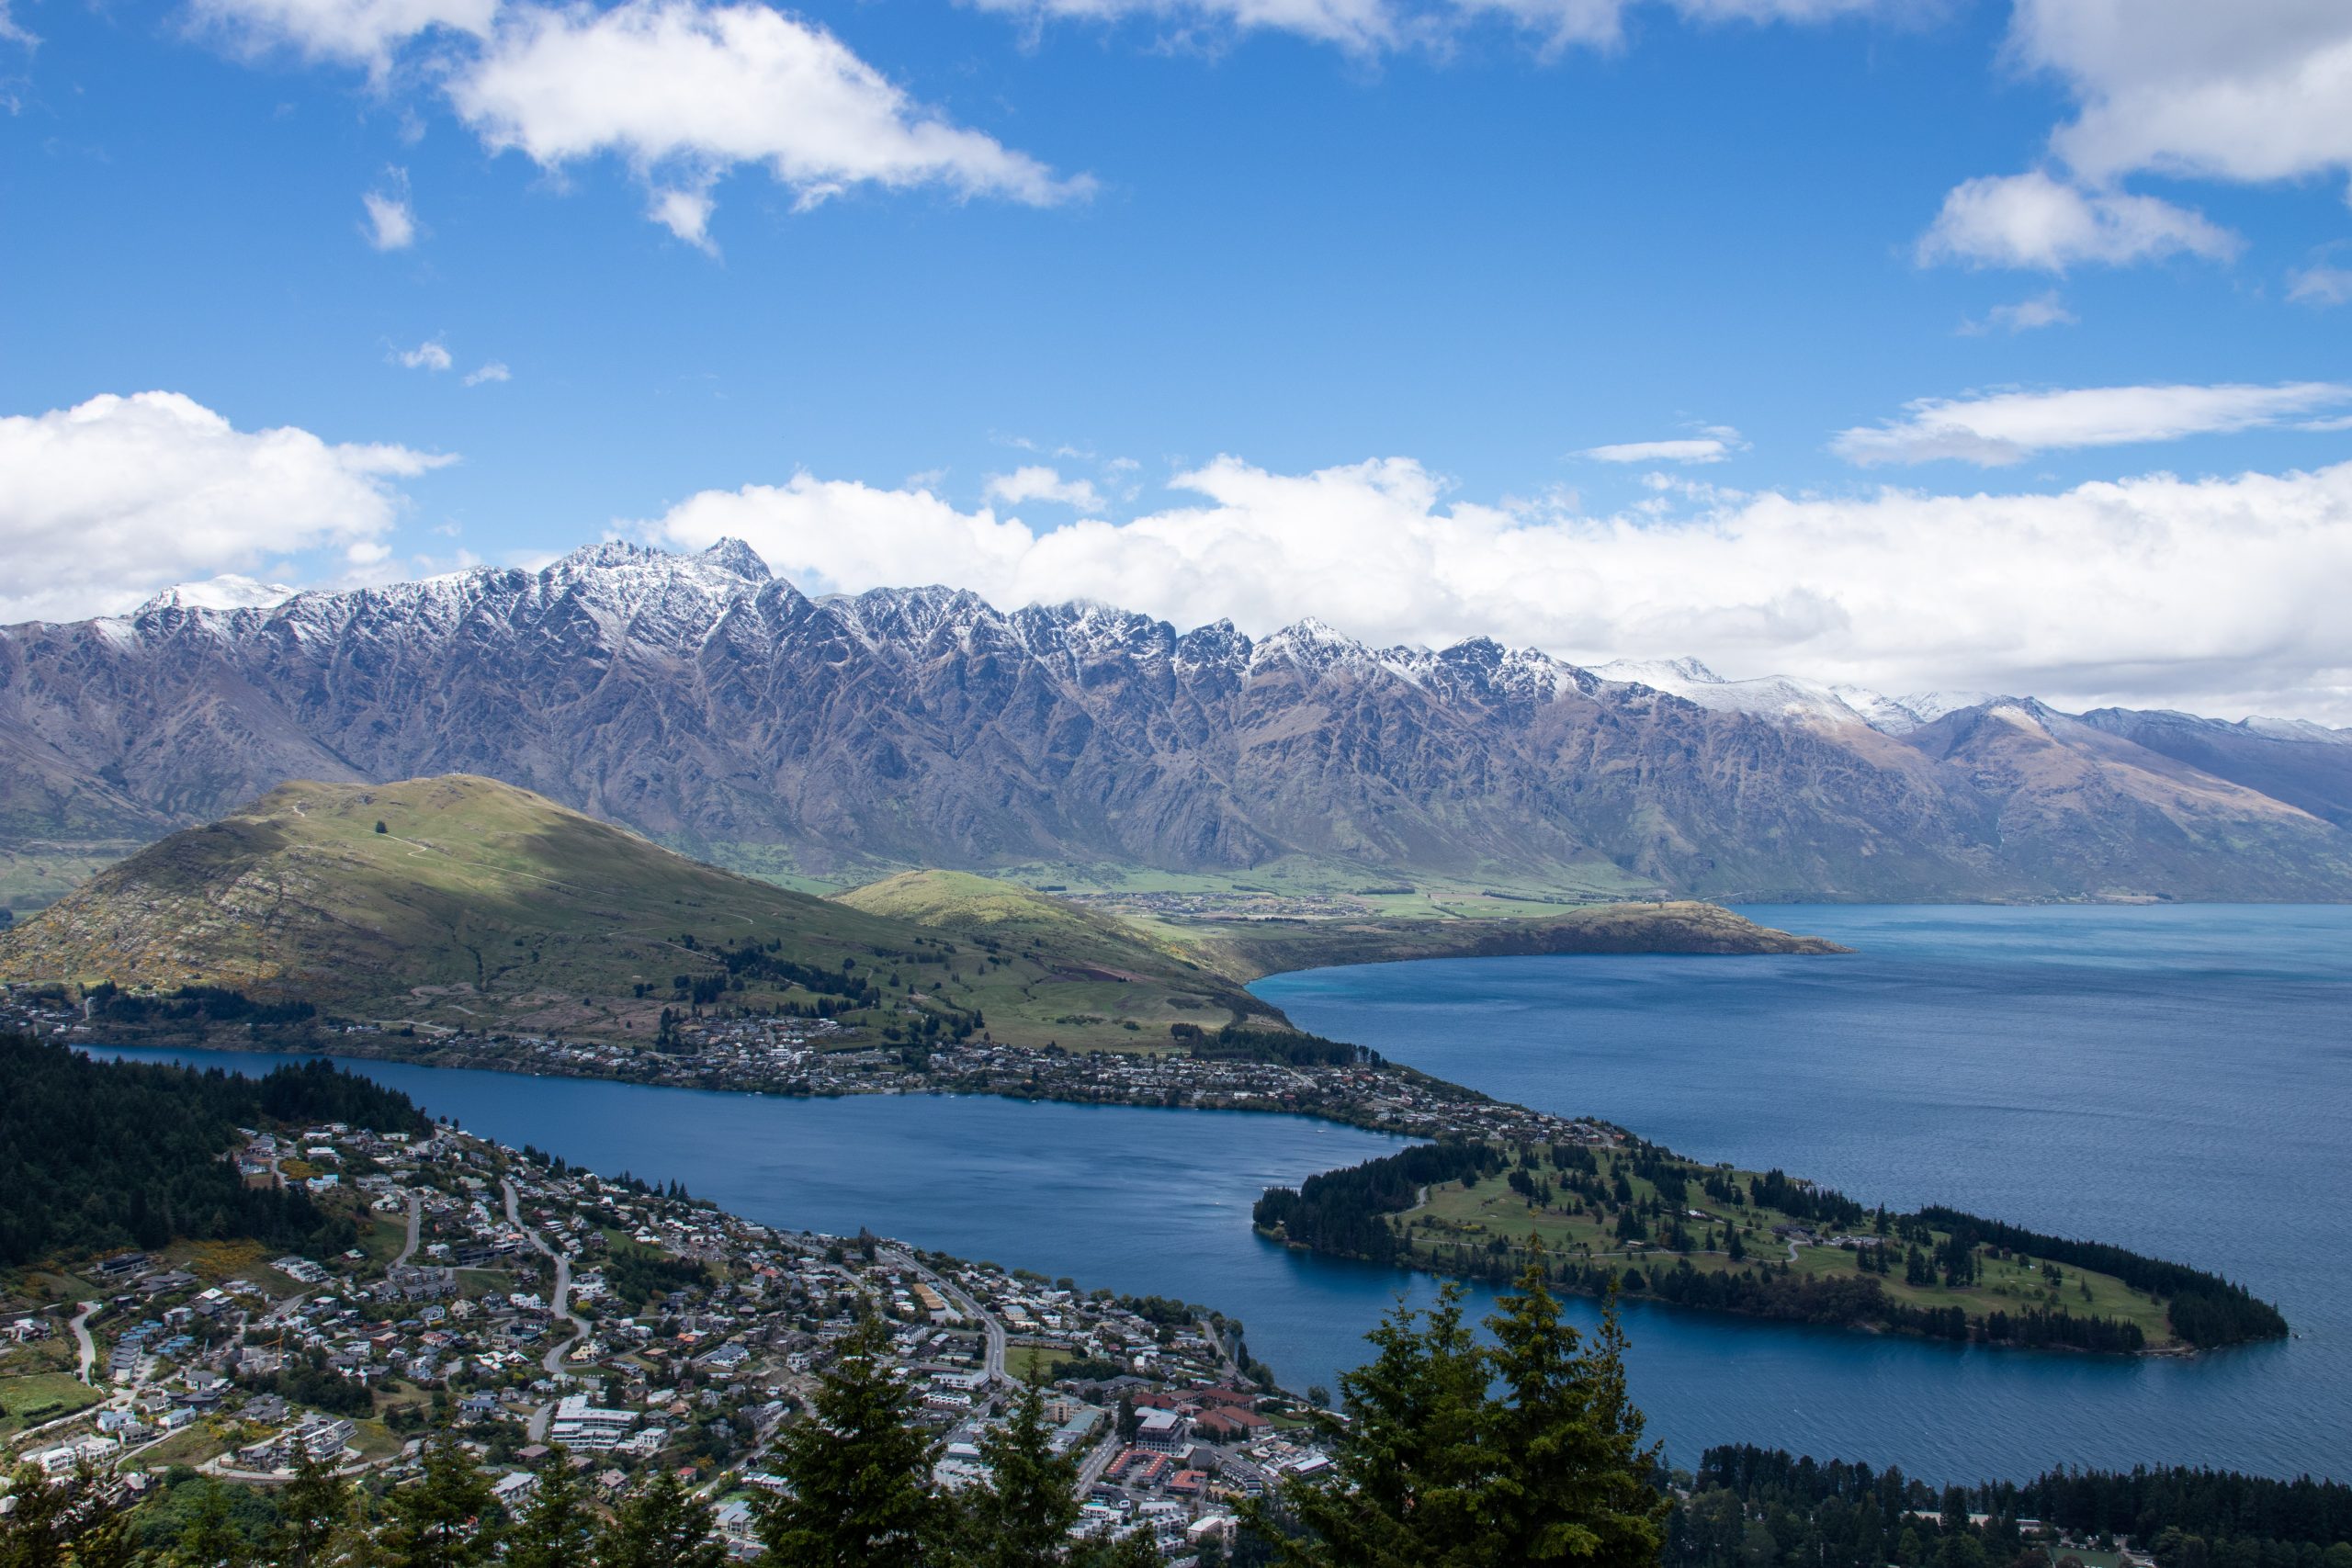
x,y
99,1155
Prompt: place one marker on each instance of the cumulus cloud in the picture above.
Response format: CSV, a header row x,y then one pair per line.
x,y
2320,285
2251,91
1037,481
2035,220
1710,448
350,32
684,92
2009,427
2208,594
427,356
494,371
107,501
392,221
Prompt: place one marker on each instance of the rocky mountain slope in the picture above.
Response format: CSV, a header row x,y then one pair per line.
x,y
701,702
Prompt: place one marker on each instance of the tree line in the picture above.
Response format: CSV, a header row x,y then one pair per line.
x,y
99,1155
1237,1041
1749,1508
2205,1308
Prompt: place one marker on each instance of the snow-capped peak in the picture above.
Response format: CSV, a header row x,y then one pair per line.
x,y
2298,729
1780,699
1930,706
228,591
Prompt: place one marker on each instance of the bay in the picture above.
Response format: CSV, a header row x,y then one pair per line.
x,y
2175,1079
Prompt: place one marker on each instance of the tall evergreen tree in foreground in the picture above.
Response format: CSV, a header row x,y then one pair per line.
x,y
1020,1516
312,1509
663,1526
443,1520
556,1530
1458,1456
859,1469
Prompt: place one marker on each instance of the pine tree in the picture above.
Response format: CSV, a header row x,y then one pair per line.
x,y
859,1470
441,1521
664,1526
556,1529
1572,1477
1133,1550
1457,1457
1022,1516
34,1533
312,1509
211,1538
1409,1468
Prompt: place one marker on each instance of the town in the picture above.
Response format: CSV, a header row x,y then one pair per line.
x,y
820,1057
536,1307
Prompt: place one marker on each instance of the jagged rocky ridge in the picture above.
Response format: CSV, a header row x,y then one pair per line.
x,y
700,700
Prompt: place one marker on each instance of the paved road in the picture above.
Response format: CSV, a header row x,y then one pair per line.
x,y
963,1302
560,1304
80,1326
416,1229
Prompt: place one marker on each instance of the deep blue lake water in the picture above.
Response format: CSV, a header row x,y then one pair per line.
x,y
2175,1079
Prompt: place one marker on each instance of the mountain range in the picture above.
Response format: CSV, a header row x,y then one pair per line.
x,y
710,705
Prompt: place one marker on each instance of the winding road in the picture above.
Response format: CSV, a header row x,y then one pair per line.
x,y
560,1304
415,1228
81,1341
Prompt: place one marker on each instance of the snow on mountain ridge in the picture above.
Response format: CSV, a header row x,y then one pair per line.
x,y
230,590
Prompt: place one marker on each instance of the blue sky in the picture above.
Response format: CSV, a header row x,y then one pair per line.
x,y
1166,234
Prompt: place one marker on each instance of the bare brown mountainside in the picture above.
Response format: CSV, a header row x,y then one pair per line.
x,y
702,702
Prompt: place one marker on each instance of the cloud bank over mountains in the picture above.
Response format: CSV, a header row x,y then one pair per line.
x,y
2221,594
2212,594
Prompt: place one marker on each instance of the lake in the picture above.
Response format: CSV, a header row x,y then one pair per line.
x,y
2176,1080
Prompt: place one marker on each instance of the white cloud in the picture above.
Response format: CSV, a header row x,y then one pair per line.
x,y
2251,90
2035,220
1367,27
2045,309
2206,593
2320,285
392,221
349,32
2008,427
2248,91
1694,449
105,503
12,33
494,371
684,92
1602,23
1363,25
427,356
1035,482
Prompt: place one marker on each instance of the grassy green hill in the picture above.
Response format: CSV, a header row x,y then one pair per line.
x,y
460,902
1060,967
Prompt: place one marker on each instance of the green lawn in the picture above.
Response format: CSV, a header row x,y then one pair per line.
x,y
27,1399
1475,1217
1021,1359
